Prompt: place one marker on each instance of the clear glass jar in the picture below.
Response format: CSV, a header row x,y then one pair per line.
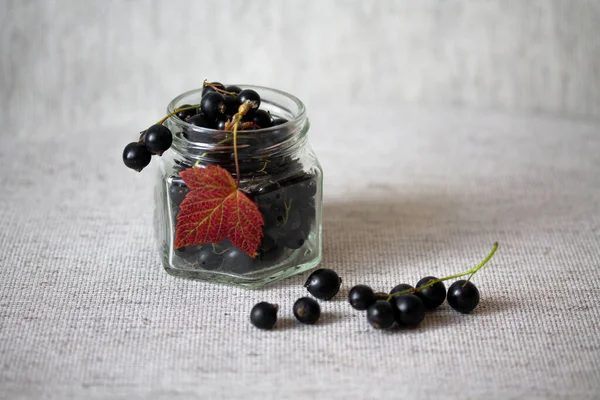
x,y
279,171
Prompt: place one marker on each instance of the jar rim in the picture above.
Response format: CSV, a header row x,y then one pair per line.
x,y
298,116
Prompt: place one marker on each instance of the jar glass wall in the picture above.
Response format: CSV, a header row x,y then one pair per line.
x,y
278,171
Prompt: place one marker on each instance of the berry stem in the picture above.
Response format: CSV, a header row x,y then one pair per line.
x,y
162,121
217,89
470,272
236,121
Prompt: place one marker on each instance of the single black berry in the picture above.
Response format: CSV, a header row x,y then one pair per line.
x,y
185,114
199,120
361,297
177,193
237,261
208,89
212,104
324,283
307,310
295,239
231,104
234,89
380,314
209,257
262,119
279,121
249,94
431,296
264,315
221,121
136,156
463,296
401,288
408,309
158,139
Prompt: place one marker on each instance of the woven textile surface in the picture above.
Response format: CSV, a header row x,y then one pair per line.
x,y
441,127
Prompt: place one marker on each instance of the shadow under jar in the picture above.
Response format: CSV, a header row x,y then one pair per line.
x,y
279,172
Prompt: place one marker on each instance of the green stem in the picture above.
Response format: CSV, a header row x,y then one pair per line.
x,y
470,272
236,120
162,121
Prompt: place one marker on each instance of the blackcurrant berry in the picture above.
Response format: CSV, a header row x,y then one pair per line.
x,y
189,253
208,89
136,156
158,139
185,114
231,104
401,288
380,314
221,121
361,297
199,120
307,310
209,258
249,94
237,261
269,249
431,296
177,193
295,239
212,104
264,315
279,121
233,89
408,309
324,283
463,296
262,119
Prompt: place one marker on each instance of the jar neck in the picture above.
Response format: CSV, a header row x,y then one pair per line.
x,y
193,144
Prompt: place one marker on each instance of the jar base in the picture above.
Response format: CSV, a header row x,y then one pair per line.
x,y
246,281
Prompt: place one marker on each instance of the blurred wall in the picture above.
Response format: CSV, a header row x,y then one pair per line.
x,y
67,64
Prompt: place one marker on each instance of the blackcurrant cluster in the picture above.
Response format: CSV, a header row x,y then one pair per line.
x,y
218,105
405,305
288,210
323,283
155,140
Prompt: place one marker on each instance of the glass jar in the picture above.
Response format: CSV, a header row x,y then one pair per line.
x,y
278,171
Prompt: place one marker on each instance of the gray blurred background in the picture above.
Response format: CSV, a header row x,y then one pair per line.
x,y
69,64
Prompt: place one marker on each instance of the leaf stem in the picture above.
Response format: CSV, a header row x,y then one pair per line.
x,y
470,272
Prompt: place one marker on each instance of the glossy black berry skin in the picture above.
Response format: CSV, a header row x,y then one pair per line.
x,y
323,283
212,105
233,88
463,296
434,295
158,139
408,309
185,114
208,89
136,156
249,94
221,121
231,104
264,315
199,120
361,297
401,288
279,121
307,310
380,314
262,119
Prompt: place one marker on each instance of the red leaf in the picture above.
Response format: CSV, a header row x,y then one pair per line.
x,y
215,210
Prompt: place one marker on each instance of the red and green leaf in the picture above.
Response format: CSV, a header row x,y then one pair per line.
x,y
215,210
